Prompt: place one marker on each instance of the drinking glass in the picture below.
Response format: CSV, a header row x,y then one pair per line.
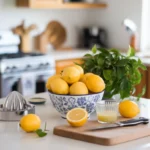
x,y
107,111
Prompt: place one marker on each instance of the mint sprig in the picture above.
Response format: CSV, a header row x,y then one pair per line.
x,y
42,133
121,73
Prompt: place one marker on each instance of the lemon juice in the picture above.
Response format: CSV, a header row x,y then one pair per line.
x,y
108,116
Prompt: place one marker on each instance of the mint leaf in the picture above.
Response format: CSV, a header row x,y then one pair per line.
x,y
100,60
107,74
142,67
104,51
40,133
94,49
131,52
122,62
88,55
120,72
114,51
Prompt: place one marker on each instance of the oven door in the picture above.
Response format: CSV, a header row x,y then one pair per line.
x,y
9,83
18,82
41,79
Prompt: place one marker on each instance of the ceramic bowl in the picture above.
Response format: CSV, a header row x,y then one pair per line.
x,y
64,103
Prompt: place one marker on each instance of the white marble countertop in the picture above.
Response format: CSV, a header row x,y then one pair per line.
x,y
12,137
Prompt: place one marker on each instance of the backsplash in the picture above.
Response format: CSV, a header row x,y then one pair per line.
x,y
71,21
74,20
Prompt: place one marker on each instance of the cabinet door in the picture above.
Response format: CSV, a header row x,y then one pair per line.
x,y
61,64
148,82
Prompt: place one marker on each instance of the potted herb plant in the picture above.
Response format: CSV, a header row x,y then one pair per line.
x,y
120,72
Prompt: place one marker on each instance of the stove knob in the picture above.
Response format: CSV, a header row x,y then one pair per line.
x,y
47,64
28,66
14,67
7,69
41,65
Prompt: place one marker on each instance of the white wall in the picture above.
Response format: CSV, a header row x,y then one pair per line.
x,y
10,17
110,18
145,39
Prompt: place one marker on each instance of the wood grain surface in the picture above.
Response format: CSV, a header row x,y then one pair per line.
x,y
103,137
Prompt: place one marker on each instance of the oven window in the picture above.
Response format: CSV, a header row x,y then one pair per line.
x,y
15,86
40,86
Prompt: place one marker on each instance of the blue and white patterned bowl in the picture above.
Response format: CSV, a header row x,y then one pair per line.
x,y
64,103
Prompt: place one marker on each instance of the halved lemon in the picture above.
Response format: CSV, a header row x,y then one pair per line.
x,y
77,117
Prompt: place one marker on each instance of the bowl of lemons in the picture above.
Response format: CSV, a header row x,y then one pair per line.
x,y
74,89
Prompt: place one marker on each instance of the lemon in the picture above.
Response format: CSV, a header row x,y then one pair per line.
x,y
83,79
30,123
78,88
95,83
128,109
59,86
77,117
80,69
71,75
49,81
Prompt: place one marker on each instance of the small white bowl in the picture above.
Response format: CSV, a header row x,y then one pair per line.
x,y
37,100
64,103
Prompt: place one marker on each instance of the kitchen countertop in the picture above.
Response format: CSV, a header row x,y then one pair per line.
x,y
79,53
68,54
12,137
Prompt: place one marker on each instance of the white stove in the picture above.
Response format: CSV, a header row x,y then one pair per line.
x,y
28,74
27,63
23,72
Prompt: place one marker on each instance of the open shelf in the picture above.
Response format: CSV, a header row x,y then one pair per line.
x,y
58,5
84,5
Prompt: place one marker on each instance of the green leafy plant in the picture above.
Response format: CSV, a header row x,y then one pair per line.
x,y
121,73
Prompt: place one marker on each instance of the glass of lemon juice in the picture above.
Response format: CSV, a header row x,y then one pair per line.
x,y
107,111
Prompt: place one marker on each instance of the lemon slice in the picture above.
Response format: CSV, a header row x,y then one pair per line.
x,y
77,117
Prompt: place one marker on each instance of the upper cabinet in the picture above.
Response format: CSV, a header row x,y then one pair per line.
x,y
57,4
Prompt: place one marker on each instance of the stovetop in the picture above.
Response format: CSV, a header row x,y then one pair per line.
x,y
24,62
18,55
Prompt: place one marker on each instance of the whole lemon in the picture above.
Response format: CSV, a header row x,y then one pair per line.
x,y
78,88
128,109
50,79
71,75
95,83
30,123
59,86
83,79
80,69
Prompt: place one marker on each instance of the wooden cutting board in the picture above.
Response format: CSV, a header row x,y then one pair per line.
x,y
103,137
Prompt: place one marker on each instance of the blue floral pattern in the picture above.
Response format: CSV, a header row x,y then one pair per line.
x,y
65,103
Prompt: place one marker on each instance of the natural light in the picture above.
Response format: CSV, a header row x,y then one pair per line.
x,y
145,30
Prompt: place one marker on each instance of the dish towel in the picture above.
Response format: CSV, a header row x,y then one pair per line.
x,y
27,84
